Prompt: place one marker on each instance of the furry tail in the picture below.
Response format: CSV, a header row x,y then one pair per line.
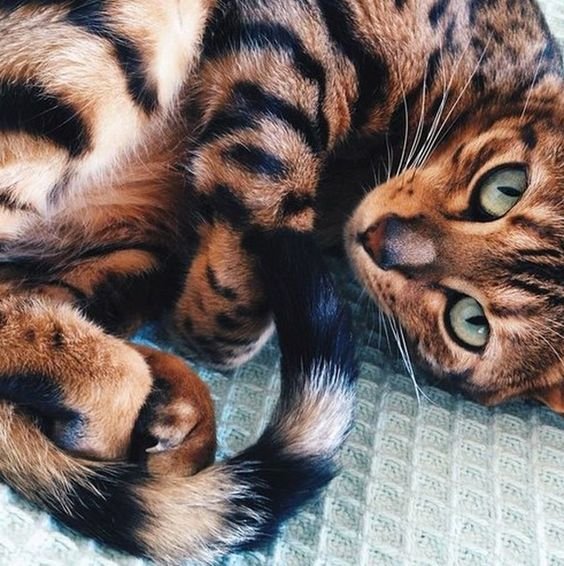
x,y
237,503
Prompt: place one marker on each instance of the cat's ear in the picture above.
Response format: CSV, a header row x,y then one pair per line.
x,y
553,396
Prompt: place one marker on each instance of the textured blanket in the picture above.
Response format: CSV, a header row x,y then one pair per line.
x,y
436,482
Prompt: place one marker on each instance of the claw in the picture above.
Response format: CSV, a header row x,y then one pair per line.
x,y
162,446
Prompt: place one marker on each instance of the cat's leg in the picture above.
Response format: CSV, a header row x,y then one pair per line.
x,y
85,387
281,84
96,395
175,431
222,313
118,289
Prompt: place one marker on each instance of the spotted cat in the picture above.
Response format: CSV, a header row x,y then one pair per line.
x,y
176,161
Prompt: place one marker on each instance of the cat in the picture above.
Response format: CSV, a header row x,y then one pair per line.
x,y
176,160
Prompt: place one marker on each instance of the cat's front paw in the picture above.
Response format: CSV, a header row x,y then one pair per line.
x,y
175,431
82,387
222,314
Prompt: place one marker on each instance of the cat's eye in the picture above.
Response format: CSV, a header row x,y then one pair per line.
x,y
500,190
468,323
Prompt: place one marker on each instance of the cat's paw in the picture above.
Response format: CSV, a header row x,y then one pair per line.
x,y
222,314
175,432
83,387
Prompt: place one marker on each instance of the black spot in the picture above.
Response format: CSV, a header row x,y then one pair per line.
x,y
449,42
29,108
227,322
295,203
58,338
529,136
223,290
256,160
434,64
371,70
437,11
30,335
480,47
479,82
476,6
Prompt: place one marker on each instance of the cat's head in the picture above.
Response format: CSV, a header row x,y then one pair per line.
x,y
467,252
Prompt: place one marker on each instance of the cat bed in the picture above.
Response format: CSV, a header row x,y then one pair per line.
x,y
431,481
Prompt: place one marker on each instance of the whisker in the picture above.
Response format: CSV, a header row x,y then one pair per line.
x,y
390,153
419,130
438,138
440,109
386,333
406,130
401,343
531,88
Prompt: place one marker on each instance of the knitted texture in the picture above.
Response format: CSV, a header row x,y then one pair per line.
x,y
439,481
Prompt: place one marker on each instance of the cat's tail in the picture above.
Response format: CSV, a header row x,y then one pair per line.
x,y
237,503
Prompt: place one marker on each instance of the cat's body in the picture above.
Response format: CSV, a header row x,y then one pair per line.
x,y
143,148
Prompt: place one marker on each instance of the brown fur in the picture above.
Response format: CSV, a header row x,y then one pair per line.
x,y
232,118
184,426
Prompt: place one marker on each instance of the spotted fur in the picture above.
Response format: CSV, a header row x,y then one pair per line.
x,y
173,160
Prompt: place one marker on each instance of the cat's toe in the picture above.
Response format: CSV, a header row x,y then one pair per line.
x,y
175,431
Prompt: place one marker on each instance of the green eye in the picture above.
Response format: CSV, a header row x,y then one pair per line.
x,y
468,323
500,191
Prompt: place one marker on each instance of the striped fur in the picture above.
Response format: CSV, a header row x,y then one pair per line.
x,y
173,160
242,500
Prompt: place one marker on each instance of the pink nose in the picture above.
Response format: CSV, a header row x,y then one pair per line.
x,y
399,243
372,240
376,241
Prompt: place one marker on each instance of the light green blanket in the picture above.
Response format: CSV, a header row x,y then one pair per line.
x,y
441,482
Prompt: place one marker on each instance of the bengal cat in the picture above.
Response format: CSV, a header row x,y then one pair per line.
x,y
174,160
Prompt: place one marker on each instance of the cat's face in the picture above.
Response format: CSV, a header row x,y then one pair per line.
x,y
467,253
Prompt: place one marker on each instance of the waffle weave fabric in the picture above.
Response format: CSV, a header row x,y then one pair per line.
x,y
440,482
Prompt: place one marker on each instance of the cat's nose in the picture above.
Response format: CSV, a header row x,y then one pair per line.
x,y
396,243
376,239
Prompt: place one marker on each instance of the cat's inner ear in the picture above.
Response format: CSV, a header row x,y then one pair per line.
x,y
552,396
